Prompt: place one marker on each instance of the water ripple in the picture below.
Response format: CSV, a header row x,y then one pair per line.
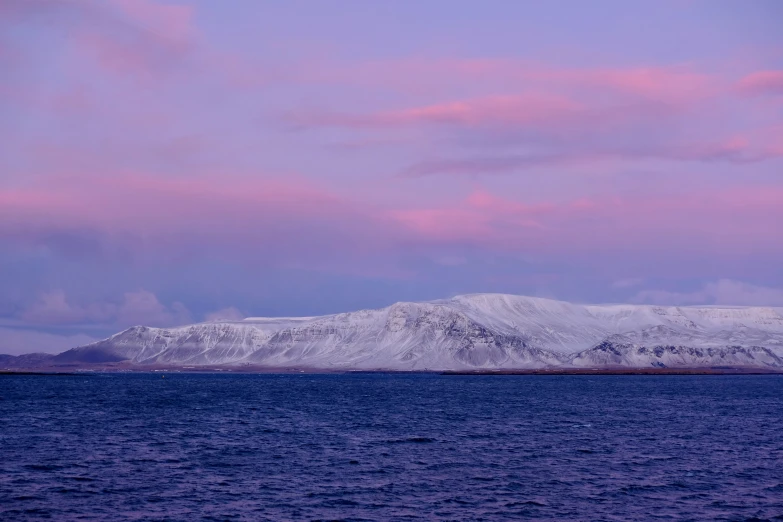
x,y
391,447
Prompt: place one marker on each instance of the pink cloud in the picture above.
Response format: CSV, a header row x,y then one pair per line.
x,y
524,109
551,113
296,224
762,82
743,218
115,56
555,129
530,109
248,220
522,93
161,35
141,38
141,200
481,217
550,129
136,55
668,83
431,75
168,21
564,117
655,82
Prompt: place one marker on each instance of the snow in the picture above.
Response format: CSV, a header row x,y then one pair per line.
x,y
477,331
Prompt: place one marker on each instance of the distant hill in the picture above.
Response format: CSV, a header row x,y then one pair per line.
x,y
470,332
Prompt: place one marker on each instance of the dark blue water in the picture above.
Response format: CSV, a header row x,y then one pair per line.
x,y
390,447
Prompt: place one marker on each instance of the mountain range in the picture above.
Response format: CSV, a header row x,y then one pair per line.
x,y
469,332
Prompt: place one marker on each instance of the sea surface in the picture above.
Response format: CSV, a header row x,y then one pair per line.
x,y
390,447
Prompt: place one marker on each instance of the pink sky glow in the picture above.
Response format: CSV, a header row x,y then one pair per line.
x,y
170,160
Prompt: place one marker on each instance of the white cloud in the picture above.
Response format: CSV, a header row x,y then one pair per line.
x,y
721,292
225,314
54,308
140,307
143,308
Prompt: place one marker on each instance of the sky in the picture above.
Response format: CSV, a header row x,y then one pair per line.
x,y
168,162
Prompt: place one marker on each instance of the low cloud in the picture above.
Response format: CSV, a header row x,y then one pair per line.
x,y
140,307
225,314
143,307
721,292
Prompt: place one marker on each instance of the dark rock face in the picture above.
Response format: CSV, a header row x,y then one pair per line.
x,y
625,354
89,354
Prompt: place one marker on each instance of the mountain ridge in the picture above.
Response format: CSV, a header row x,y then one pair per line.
x,y
466,332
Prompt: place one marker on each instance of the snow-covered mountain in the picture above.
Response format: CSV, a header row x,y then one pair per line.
x,y
479,331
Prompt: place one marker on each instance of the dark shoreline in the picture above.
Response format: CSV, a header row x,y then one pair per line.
x,y
623,371
81,371
40,373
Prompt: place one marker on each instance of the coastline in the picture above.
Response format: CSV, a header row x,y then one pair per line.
x,y
86,370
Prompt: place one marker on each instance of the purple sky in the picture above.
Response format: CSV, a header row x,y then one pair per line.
x,y
163,162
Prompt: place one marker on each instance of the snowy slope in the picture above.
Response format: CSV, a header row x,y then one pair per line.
x,y
480,331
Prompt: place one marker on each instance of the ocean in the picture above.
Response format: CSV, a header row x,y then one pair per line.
x,y
384,446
